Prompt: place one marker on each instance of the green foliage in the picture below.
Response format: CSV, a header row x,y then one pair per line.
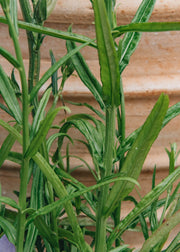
x,y
60,209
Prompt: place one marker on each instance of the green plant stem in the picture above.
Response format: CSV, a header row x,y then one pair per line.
x,y
122,128
34,69
101,220
122,121
25,162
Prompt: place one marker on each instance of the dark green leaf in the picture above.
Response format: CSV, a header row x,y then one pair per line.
x,y
11,130
147,27
54,77
143,204
85,74
64,234
172,112
15,85
40,113
108,59
7,145
174,245
52,32
9,96
9,201
41,134
3,107
94,135
7,55
46,232
159,237
15,157
40,11
52,70
54,205
131,39
36,201
136,156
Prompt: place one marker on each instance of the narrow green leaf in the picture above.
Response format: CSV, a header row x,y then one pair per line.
x,y
8,229
146,201
39,116
3,107
45,231
108,59
147,27
97,112
41,134
54,77
36,201
53,69
52,32
5,4
61,192
54,205
9,201
174,244
53,137
172,112
7,145
85,74
7,55
122,248
40,11
131,39
64,234
11,130
94,135
136,156
9,96
161,234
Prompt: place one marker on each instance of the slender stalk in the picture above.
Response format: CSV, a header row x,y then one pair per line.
x,y
117,212
123,122
101,221
25,162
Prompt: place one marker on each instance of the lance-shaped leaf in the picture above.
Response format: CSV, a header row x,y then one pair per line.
x,y
85,74
39,116
41,134
53,69
55,204
108,59
9,96
147,27
7,145
94,135
172,112
146,201
7,55
159,237
40,11
9,201
131,39
136,156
